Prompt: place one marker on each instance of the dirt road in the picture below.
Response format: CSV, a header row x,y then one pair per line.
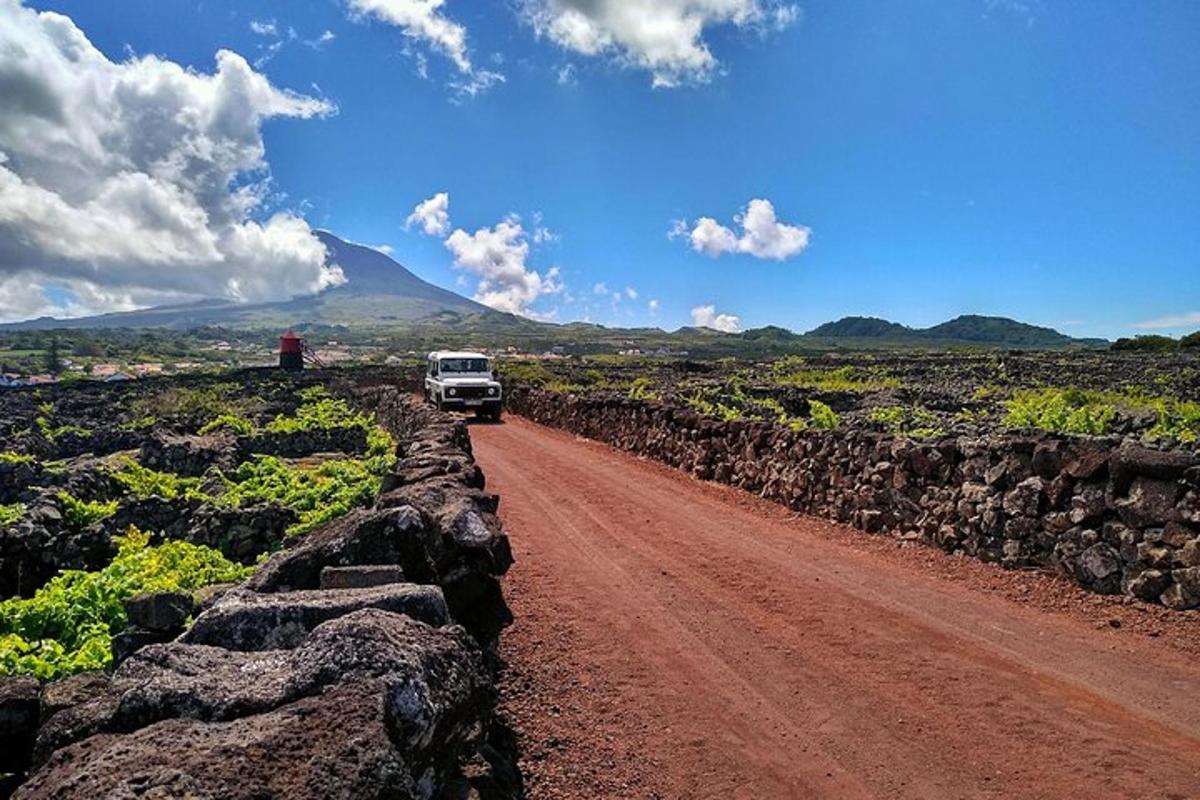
x,y
681,640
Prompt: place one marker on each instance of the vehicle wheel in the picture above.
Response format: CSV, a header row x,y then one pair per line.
x,y
494,415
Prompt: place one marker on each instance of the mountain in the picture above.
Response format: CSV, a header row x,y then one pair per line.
x,y
377,291
968,329
861,328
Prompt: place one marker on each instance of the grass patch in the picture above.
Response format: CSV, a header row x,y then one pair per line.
x,y
11,457
66,627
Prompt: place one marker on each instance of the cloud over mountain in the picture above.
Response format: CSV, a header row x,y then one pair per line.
x,y
130,183
707,317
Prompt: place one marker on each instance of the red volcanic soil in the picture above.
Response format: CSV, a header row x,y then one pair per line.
x,y
677,639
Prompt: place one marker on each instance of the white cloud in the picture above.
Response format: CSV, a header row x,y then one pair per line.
x,y
1188,320
664,37
325,38
422,21
763,236
600,288
652,306
432,215
631,293
497,256
264,27
122,183
707,317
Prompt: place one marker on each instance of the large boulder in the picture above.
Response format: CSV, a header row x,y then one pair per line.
x,y
247,620
395,536
1151,502
336,745
200,682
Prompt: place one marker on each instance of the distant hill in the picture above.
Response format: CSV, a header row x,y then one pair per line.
x,y
969,329
378,291
861,328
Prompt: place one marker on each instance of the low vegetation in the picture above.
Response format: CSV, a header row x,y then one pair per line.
x,y
66,627
11,512
81,513
916,422
318,495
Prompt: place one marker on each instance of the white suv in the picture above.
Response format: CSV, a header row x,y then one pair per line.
x,y
462,382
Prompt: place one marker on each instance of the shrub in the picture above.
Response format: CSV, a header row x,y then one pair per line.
x,y
139,423
1146,342
228,422
1191,340
11,512
320,412
1176,418
1061,411
66,627
714,409
317,495
182,401
10,457
642,388
52,432
822,415
143,482
81,513
790,371
917,422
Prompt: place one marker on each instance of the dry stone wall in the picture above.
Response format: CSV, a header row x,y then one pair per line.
x,y
358,662
1113,514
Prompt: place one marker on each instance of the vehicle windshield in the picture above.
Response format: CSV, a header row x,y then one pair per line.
x,y
460,365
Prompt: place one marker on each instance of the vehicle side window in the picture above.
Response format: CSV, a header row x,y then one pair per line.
x,y
433,369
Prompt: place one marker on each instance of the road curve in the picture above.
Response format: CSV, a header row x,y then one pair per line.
x,y
694,645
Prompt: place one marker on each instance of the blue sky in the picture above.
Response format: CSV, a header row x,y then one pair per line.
x,y
927,159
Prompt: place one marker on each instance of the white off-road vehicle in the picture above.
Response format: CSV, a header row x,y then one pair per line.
x,y
463,382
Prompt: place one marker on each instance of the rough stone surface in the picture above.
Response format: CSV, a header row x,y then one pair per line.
x,y
247,620
165,612
360,577
20,708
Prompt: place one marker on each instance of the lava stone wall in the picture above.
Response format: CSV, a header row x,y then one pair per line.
x,y
358,662
1115,515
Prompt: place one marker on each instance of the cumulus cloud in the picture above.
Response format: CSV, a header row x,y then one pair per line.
x,y
707,317
762,236
1187,320
652,306
432,215
600,288
123,183
497,256
422,22
664,37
